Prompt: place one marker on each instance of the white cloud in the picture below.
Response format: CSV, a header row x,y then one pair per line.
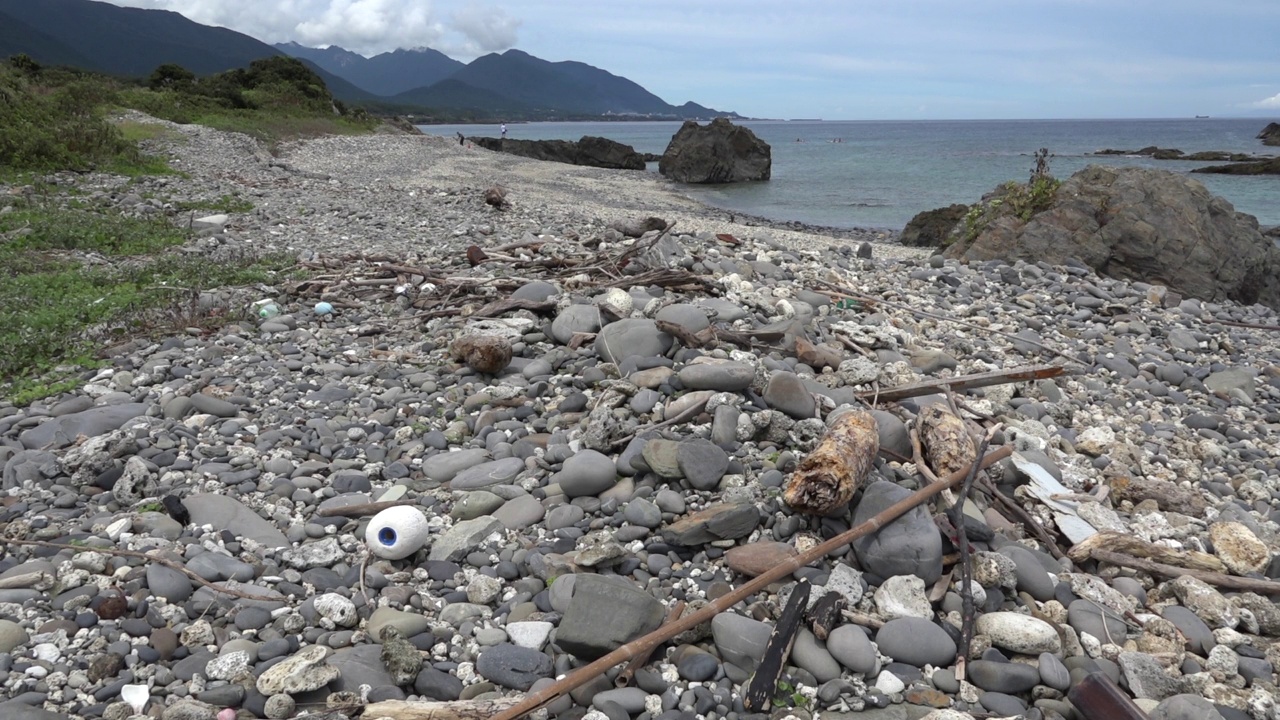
x,y
1269,103
363,26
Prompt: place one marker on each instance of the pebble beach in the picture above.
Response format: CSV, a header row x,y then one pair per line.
x,y
175,543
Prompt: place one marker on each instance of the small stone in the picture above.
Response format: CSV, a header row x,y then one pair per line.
x,y
587,473
786,392
1019,633
916,641
488,354
513,667
757,558
304,671
604,614
903,596
850,645
1238,548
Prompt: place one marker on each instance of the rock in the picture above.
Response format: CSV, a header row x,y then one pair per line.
x,y
916,641
850,645
787,393
12,636
910,545
930,228
400,658
1019,633
1053,673
1205,601
1002,677
488,474
1270,166
758,558
1185,707
1270,134
63,431
1138,224
575,319
1087,616
724,521
1199,636
719,376
1033,578
463,537
719,152
903,596
740,640
701,462
587,472
1147,677
488,354
437,685
408,624
631,336
530,633
811,654
604,614
589,151
444,467
227,513
1238,548
512,666
304,671
165,582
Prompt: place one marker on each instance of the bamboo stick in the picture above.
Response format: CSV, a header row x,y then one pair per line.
x,y
576,678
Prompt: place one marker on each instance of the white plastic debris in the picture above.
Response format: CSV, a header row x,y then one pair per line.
x,y
397,532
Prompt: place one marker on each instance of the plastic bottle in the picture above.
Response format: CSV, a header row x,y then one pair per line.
x,y
266,309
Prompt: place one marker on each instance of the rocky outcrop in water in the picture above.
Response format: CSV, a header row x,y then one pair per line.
x,y
1270,134
590,151
1259,167
719,152
1138,224
931,227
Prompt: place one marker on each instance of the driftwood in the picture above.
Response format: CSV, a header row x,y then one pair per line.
x,y
828,477
456,710
758,694
966,382
1222,580
584,674
1097,697
1127,544
968,612
947,444
824,614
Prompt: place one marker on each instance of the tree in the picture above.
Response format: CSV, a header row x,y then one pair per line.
x,y
170,76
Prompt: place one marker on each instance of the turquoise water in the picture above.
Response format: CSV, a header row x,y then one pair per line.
x,y
884,172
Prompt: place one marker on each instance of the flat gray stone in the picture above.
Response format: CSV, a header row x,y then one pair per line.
x,y
575,319
910,545
227,513
740,640
513,666
1088,617
631,336
63,431
1033,579
702,463
850,645
486,475
604,614
521,512
1147,677
443,467
1185,707
165,582
787,393
810,653
719,376
1002,677
454,544
916,641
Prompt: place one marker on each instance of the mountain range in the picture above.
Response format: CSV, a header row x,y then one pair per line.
x,y
514,85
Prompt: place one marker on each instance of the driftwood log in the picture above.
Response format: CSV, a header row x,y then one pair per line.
x,y
758,695
1222,580
828,477
1116,542
948,446
578,677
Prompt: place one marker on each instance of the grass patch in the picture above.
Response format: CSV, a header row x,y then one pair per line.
x,y
72,279
225,204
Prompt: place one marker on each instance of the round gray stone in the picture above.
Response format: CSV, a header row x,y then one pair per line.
x,y
587,473
631,336
916,641
513,666
850,645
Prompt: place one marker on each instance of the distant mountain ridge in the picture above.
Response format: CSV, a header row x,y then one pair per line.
x,y
387,74
512,85
133,42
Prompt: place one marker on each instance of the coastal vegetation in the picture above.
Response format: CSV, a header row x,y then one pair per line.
x,y
1019,200
82,269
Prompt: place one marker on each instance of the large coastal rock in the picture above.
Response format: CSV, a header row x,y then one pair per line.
x,y
719,152
1270,134
931,227
1137,224
590,151
1256,167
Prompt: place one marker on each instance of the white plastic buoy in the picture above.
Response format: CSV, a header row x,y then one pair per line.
x,y
397,532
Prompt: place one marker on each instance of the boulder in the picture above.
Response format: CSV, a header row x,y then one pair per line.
x,y
1270,134
590,151
1256,167
931,227
719,152
1133,223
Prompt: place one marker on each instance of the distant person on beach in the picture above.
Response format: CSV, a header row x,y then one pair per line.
x,y
504,131
461,140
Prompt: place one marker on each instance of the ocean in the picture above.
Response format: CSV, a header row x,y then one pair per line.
x,y
881,173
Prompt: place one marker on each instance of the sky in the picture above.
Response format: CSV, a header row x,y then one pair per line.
x,y
838,60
